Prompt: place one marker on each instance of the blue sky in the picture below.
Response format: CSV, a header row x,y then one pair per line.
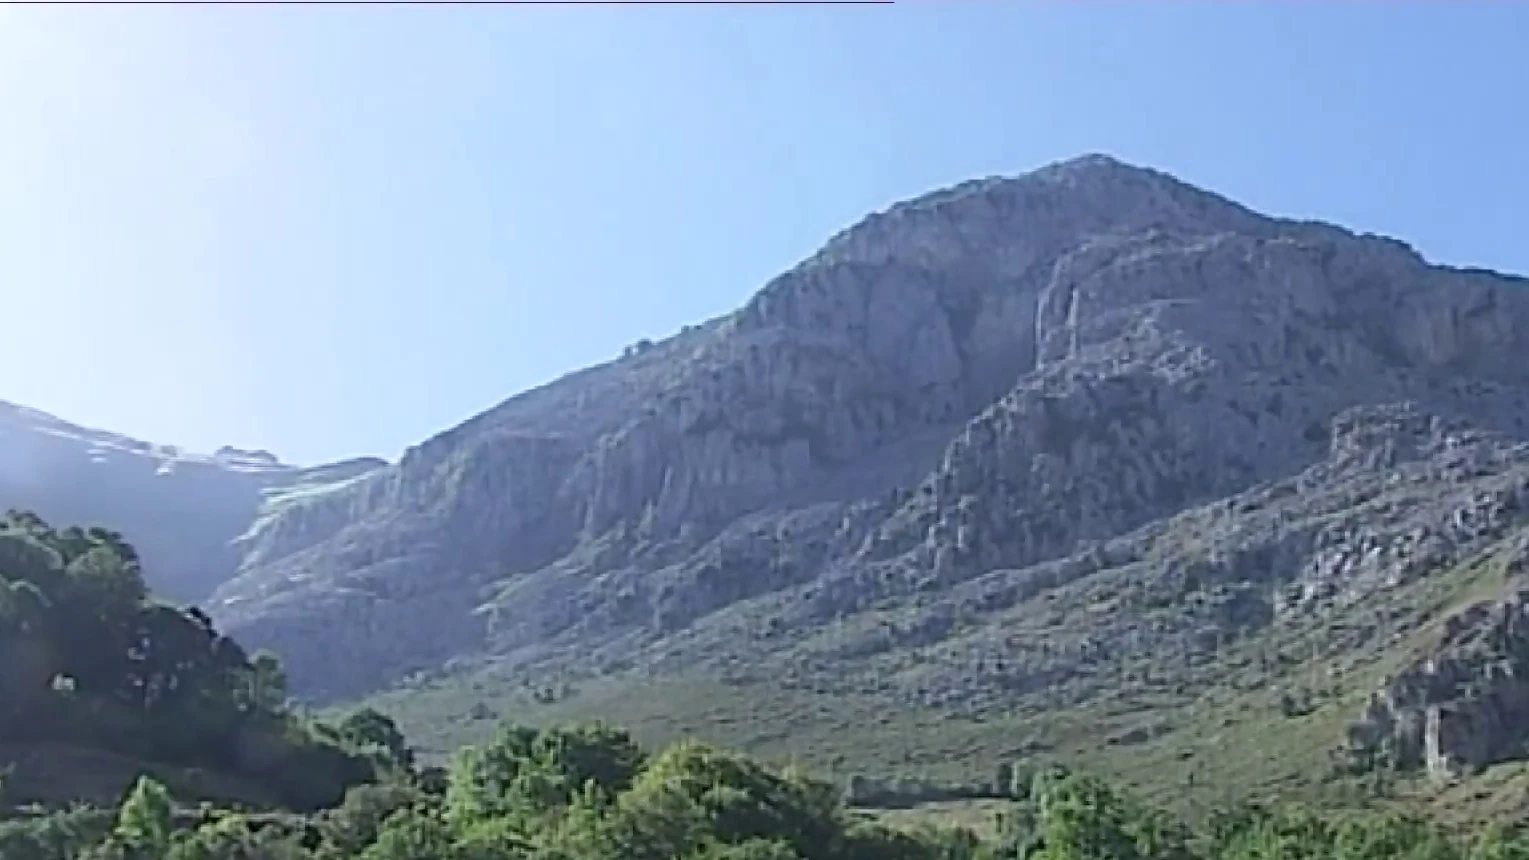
x,y
330,231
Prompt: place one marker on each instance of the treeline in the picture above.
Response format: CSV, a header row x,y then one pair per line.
x,y
592,794
89,660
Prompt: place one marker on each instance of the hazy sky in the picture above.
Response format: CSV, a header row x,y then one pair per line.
x,y
330,231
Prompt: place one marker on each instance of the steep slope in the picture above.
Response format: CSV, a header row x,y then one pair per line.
x,y
998,394
183,510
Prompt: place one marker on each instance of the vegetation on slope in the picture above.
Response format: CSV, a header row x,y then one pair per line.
x,y
95,674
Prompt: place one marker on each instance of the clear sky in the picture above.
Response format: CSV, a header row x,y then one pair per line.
x,y
330,231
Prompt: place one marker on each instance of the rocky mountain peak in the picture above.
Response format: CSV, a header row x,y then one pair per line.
x,y
991,377
1027,218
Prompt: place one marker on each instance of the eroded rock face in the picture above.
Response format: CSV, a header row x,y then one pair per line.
x,y
1461,707
1015,380
1323,546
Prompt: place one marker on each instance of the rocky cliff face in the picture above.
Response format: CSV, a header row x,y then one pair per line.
x,y
1460,706
183,511
1091,373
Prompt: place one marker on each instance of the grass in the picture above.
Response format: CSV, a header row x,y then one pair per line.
x,y
1223,749
978,816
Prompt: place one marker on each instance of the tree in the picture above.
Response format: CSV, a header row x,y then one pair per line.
x,y
143,822
369,728
412,835
267,683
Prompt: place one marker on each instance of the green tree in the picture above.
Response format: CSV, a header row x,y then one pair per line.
x,y
413,834
370,729
143,822
268,692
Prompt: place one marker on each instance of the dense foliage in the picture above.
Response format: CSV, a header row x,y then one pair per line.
x,y
89,660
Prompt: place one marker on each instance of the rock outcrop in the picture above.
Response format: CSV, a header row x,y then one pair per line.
x,y
1461,706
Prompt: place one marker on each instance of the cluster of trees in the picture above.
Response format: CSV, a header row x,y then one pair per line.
x,y
89,660
586,793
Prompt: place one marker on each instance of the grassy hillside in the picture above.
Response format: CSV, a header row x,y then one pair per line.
x,y
1266,718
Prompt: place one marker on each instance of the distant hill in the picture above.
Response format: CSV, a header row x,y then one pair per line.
x,y
184,510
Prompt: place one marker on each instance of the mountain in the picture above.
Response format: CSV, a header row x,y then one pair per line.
x,y
1019,375
183,510
1088,444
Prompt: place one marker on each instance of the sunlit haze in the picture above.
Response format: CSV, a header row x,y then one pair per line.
x,y
331,231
